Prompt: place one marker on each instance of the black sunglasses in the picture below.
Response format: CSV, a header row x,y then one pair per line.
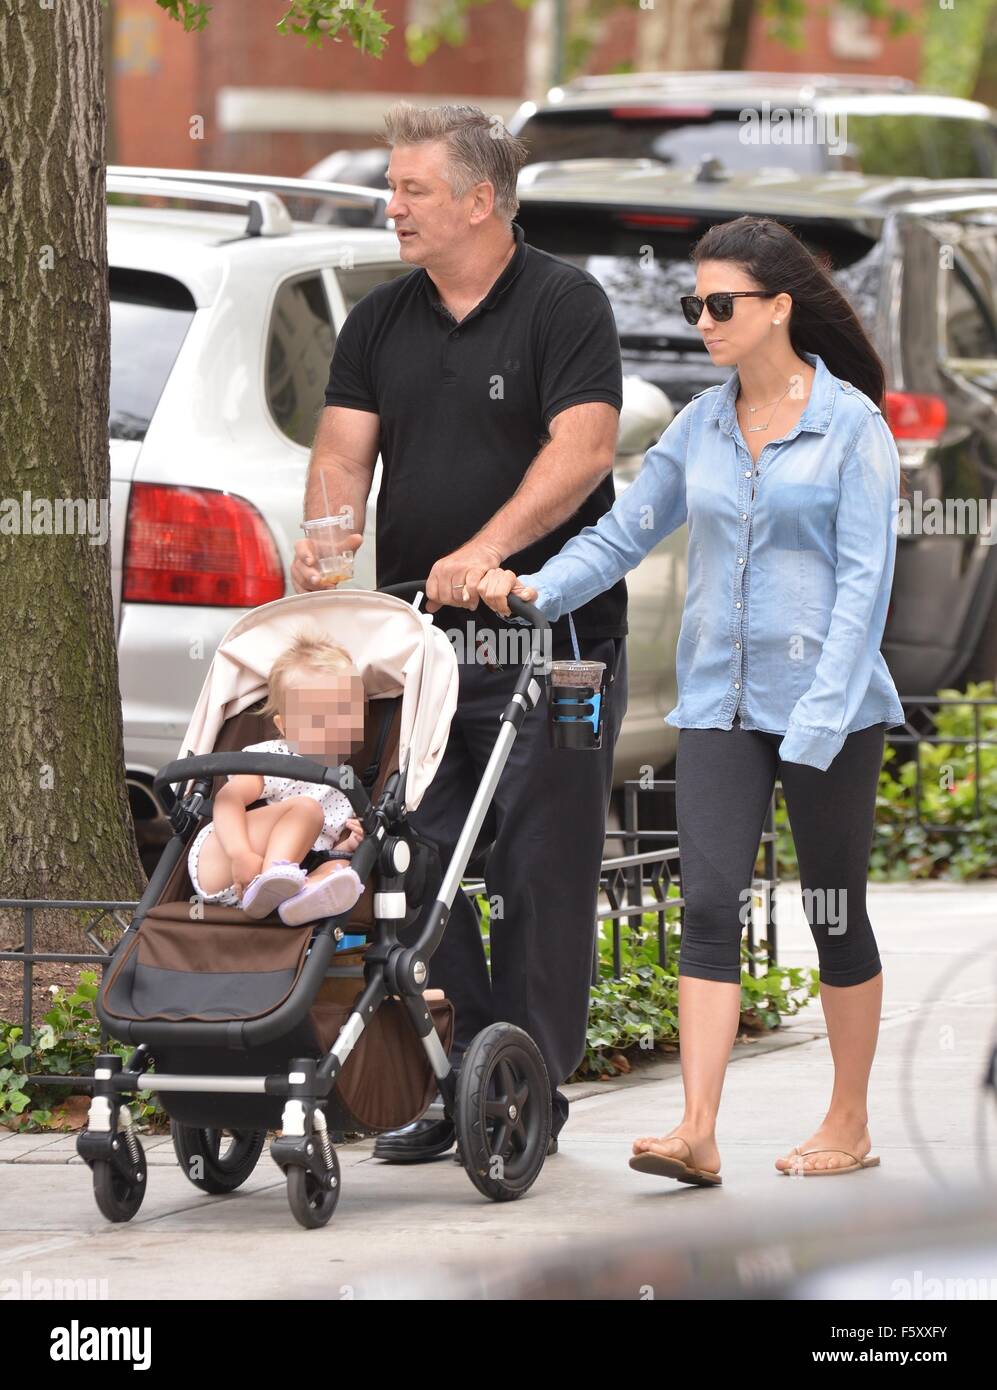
x,y
720,304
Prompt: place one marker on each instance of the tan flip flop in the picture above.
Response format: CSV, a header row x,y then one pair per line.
x,y
664,1167
870,1161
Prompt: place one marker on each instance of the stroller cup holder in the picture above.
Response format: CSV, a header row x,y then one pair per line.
x,y
575,707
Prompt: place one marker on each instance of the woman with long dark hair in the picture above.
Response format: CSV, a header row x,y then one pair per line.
x,y
788,477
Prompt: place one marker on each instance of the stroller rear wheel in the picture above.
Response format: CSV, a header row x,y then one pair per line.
x,y
211,1163
503,1111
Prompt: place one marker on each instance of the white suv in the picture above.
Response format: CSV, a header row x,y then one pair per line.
x,y
222,331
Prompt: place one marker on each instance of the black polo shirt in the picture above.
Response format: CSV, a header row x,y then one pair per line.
x,y
465,407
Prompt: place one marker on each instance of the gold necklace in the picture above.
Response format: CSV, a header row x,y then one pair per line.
x,y
754,429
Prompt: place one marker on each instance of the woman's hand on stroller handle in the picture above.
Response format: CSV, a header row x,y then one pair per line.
x,y
497,586
520,607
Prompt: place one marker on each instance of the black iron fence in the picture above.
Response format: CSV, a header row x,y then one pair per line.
x,y
621,880
636,883
98,917
921,730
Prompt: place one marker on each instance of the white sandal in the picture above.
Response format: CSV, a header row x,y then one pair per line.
x,y
273,886
328,897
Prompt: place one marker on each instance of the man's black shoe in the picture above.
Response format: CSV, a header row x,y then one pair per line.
x,y
419,1142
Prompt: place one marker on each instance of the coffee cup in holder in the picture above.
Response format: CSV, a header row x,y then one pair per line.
x,y
576,691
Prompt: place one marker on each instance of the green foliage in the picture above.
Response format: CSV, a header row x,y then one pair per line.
x,y
785,18
66,1044
316,20
312,20
953,45
190,13
962,845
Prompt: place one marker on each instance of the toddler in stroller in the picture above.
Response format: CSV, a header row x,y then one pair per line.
x,y
258,859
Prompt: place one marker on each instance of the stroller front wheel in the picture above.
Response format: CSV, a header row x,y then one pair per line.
x,y
312,1202
117,1197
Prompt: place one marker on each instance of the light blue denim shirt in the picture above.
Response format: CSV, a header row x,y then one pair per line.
x,y
789,579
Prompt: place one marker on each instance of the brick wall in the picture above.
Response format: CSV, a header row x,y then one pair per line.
x,y
162,77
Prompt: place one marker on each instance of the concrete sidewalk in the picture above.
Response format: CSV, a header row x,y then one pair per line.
x,y
407,1231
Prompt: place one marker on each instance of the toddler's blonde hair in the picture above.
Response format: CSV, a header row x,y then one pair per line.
x,y
308,651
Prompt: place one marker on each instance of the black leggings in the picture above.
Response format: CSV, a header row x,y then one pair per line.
x,y
723,783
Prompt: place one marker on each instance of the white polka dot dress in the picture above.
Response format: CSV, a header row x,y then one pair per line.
x,y
333,802
335,805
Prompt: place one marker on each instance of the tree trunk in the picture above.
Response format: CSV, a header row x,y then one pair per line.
x,y
735,49
682,34
65,827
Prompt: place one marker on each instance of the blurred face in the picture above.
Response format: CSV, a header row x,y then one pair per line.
x,y
750,326
429,222
323,715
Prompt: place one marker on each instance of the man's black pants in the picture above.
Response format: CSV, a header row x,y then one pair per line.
x,y
548,816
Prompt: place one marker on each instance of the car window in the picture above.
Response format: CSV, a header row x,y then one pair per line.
x,y
645,268
920,146
681,139
969,325
299,350
150,315
355,283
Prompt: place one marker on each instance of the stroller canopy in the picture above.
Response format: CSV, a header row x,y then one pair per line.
x,y
396,648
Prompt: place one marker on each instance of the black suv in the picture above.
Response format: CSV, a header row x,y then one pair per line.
x,y
918,260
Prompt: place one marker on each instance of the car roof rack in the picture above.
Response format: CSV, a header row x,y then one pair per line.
x,y
267,214
871,82
547,170
270,186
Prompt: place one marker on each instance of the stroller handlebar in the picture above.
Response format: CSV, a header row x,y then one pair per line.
x,y
519,607
292,765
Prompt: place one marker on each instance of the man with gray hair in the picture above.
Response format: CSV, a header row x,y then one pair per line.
x,y
490,381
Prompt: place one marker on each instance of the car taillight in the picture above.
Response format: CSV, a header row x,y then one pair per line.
x,y
655,219
912,416
196,545
657,113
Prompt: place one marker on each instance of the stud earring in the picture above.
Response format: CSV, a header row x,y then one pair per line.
x,y
776,320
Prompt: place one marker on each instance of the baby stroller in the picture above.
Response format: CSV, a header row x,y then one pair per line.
x,y
242,1026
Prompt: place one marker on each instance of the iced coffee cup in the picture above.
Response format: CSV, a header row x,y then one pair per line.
x,y
577,673
328,536
574,712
